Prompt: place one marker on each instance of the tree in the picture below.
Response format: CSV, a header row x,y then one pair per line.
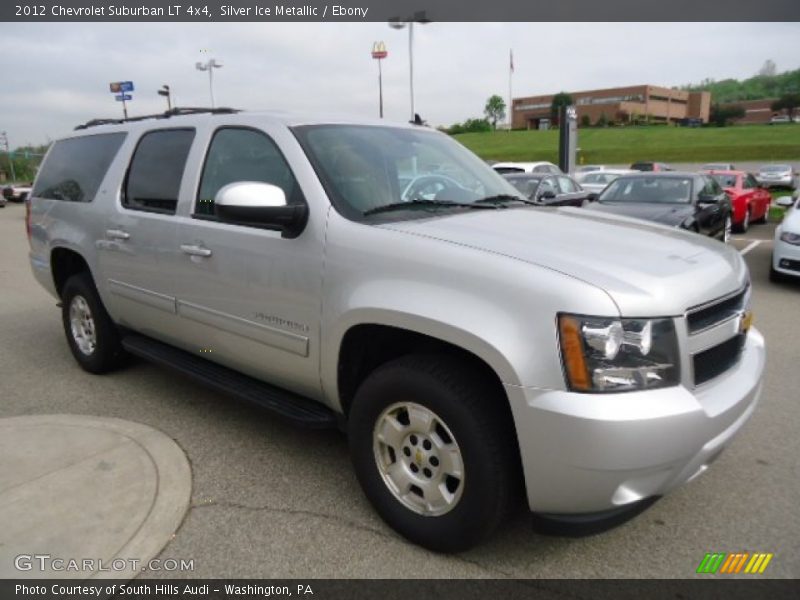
x,y
789,102
722,115
768,69
559,100
602,120
495,110
586,121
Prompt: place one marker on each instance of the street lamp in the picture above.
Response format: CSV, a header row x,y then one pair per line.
x,y
209,66
164,91
400,23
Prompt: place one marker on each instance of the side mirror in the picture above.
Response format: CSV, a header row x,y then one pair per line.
x,y
593,197
260,205
785,201
707,199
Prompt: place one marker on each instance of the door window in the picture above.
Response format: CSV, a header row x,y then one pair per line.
x,y
240,154
154,177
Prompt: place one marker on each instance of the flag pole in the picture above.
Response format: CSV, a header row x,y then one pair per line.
x,y
510,96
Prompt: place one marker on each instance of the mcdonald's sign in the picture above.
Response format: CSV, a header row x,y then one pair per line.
x,y
736,562
379,50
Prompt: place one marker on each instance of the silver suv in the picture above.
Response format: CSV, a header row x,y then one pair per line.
x,y
382,279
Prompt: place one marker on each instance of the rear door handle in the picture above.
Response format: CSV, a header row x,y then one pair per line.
x,y
195,250
117,234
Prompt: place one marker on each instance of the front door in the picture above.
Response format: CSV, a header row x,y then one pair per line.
x,y
247,297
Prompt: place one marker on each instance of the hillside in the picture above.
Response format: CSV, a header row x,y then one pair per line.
x,y
754,88
626,145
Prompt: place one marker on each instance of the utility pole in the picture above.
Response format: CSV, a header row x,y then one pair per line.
x,y
4,141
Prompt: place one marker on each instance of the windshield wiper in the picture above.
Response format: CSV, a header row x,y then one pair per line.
x,y
421,202
505,198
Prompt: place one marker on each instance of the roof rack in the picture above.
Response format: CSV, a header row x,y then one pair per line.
x,y
175,112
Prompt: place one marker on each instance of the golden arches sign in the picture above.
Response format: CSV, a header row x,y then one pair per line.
x,y
379,50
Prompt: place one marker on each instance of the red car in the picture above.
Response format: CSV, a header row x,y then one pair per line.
x,y
750,201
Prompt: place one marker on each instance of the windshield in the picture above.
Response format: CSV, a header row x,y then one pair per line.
x,y
655,190
725,180
775,168
365,167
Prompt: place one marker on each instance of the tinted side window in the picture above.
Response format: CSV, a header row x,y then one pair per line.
x,y
750,182
154,177
238,154
567,186
75,167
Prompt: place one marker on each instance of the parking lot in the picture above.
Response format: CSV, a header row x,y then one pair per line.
x,y
270,500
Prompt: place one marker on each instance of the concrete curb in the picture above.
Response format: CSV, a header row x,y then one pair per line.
x,y
84,488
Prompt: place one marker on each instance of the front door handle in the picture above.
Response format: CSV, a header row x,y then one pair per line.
x,y
117,234
195,250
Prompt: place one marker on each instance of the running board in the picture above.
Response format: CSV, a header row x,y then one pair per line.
x,y
287,405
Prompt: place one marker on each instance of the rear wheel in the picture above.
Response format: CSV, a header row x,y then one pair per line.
x,y
726,231
92,336
434,450
745,224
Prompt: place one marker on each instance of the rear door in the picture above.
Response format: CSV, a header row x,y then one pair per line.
x,y
140,231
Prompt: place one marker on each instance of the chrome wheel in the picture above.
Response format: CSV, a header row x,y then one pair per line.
x,y
418,458
82,325
726,235
746,221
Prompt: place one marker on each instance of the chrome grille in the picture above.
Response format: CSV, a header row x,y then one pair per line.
x,y
707,315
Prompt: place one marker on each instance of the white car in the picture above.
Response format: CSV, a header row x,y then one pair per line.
x,y
776,176
17,192
718,167
527,167
597,181
786,249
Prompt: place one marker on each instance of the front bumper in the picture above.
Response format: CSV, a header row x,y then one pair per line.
x,y
584,453
786,258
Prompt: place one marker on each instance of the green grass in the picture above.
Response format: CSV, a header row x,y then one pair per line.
x,y
622,145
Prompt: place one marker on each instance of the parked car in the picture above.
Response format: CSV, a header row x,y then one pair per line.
x,y
749,200
2,201
17,192
650,166
777,176
526,167
596,182
690,201
718,167
786,247
472,346
549,190
583,170
779,119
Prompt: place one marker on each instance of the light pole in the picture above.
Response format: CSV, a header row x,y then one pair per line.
x,y
164,91
209,66
379,53
4,141
400,23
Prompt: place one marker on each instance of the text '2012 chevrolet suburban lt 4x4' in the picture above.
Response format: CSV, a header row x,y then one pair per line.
x,y
383,279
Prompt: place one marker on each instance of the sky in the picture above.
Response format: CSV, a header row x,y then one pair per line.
x,y
56,75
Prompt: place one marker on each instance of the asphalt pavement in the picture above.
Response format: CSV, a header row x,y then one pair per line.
x,y
269,500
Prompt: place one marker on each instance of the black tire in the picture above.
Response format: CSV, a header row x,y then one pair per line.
x,y
107,353
764,218
476,413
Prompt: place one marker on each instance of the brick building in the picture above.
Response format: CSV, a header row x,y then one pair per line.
x,y
755,111
622,105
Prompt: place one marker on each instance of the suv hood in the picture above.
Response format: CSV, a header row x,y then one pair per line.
x,y
647,269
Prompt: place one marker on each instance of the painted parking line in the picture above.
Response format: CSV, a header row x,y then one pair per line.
x,y
749,247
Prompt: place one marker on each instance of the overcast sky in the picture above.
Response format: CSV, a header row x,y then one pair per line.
x,y
56,75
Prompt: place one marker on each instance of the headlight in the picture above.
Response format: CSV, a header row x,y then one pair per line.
x,y
791,238
618,355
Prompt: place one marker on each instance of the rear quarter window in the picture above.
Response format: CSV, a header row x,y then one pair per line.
x,y
75,167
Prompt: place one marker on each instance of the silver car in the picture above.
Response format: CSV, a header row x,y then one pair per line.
x,y
384,280
777,176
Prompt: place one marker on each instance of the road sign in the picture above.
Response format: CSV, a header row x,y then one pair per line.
x,y
123,97
120,86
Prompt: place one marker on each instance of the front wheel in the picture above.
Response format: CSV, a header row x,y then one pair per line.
x,y
434,449
726,230
745,224
92,336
